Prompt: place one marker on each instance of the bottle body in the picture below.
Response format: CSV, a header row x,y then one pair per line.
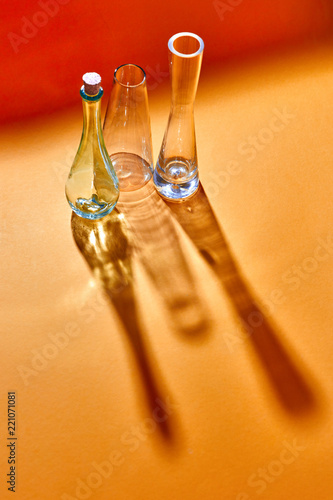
x,y
176,173
92,186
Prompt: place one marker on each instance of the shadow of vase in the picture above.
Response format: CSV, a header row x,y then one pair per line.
x,y
199,222
156,242
106,248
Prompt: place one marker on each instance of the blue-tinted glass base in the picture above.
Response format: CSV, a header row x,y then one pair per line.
x,y
175,192
93,216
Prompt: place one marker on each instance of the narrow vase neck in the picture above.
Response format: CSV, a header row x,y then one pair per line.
x,y
185,72
181,109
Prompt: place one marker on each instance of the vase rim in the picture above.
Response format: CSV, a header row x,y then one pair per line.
x,y
129,85
189,35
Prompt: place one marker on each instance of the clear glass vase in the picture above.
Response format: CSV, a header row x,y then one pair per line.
x,y
92,185
176,174
127,130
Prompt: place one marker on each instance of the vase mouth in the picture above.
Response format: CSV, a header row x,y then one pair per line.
x,y
129,75
186,44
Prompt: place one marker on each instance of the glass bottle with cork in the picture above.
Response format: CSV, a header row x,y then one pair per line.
x,y
92,187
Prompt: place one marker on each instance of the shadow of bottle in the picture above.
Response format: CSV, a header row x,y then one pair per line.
x,y
105,246
199,222
156,242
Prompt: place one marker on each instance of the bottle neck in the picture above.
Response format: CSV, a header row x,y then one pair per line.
x,y
91,117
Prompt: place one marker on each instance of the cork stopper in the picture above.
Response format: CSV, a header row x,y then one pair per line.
x,y
92,83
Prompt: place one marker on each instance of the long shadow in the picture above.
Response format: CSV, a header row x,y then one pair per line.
x,y
105,246
199,222
156,243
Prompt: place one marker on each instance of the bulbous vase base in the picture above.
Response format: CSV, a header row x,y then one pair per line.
x,y
175,192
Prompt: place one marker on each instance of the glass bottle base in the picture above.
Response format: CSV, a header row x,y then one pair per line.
x,y
133,172
175,192
94,214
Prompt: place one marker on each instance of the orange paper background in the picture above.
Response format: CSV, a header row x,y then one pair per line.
x,y
250,414
41,69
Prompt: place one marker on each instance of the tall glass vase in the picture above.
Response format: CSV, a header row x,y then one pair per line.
x,y
176,174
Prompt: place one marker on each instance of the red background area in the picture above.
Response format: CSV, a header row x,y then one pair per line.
x,y
42,70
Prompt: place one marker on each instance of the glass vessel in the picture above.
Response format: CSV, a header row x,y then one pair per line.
x,y
127,128
92,186
176,174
